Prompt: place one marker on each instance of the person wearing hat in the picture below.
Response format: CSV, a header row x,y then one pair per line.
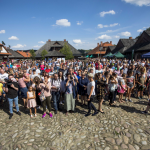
x,y
91,94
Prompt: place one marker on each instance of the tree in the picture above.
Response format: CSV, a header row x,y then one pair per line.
x,y
43,53
67,52
3,43
9,46
32,53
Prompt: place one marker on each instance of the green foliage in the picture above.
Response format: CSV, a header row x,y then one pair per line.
x,y
67,52
43,53
3,43
32,53
9,46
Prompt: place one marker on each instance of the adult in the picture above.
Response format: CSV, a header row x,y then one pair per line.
x,y
90,95
12,94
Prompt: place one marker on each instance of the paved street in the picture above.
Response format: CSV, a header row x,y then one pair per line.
x,y
121,127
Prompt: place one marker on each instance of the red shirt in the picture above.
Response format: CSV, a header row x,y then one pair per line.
x,y
96,65
47,70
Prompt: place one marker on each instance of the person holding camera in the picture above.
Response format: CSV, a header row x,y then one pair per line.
x,y
56,92
12,94
70,94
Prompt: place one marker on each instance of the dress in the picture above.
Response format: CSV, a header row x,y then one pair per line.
x,y
31,102
37,90
100,89
83,82
120,89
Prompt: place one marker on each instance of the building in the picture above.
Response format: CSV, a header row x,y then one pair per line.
x,y
100,50
26,55
4,53
123,45
53,48
141,46
110,49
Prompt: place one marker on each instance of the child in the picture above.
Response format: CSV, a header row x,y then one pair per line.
x,y
130,85
140,83
31,103
122,87
148,89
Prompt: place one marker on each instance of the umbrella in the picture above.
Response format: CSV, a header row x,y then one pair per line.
x,y
107,55
117,55
87,56
147,55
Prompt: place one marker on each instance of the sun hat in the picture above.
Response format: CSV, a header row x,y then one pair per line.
x,y
90,75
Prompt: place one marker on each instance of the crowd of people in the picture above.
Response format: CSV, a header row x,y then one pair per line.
x,y
55,83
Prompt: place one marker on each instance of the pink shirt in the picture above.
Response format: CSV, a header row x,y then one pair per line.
x,y
46,91
42,67
21,82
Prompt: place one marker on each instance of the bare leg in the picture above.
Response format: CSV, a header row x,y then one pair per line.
x,y
30,111
35,110
147,109
100,105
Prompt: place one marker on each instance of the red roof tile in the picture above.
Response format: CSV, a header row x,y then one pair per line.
x,y
24,54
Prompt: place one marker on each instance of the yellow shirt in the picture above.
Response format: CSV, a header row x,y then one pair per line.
x,y
1,87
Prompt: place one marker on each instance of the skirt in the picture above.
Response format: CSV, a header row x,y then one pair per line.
x,y
31,103
69,102
121,90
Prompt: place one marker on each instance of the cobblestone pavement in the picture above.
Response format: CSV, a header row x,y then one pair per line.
x,y
121,127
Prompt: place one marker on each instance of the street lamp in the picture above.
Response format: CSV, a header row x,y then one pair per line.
x,y
100,49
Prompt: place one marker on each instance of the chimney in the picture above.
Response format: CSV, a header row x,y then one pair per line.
x,y
64,40
97,44
49,40
110,42
101,42
130,37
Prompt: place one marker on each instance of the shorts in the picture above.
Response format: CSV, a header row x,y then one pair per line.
x,y
130,85
24,92
140,88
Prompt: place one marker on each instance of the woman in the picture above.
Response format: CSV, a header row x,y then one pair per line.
x,y
47,70
36,88
100,90
90,95
45,88
70,95
62,88
78,76
23,88
83,81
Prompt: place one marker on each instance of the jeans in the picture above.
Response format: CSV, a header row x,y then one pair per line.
x,y
115,94
90,105
56,99
11,104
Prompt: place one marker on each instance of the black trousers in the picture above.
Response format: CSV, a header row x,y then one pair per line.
x,y
90,105
111,97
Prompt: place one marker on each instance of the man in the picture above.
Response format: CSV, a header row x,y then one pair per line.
x,y
51,73
37,70
99,70
12,94
34,75
92,67
3,75
64,70
56,92
125,69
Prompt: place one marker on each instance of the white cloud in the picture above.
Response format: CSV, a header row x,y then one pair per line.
x,y
62,22
19,46
41,42
104,37
77,41
2,31
138,2
140,30
117,37
105,26
79,22
103,13
126,33
13,38
37,46
33,17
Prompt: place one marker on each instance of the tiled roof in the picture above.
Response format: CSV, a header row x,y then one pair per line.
x,y
24,54
50,44
14,54
5,53
55,54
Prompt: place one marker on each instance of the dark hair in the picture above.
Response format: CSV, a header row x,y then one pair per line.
x,y
20,75
123,75
10,75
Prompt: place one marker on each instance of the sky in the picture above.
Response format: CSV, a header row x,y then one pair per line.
x,y
28,24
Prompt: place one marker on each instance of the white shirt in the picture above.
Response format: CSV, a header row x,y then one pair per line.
x,y
3,76
99,71
34,75
89,86
56,83
38,71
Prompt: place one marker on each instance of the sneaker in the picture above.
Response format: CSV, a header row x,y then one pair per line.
x,y
31,116
44,115
50,114
126,100
87,114
144,112
19,113
95,113
130,100
10,116
35,115
139,97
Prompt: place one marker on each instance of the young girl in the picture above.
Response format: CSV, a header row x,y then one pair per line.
x,y
122,87
31,100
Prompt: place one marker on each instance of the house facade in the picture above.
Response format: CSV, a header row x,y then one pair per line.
x,y
53,48
100,50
